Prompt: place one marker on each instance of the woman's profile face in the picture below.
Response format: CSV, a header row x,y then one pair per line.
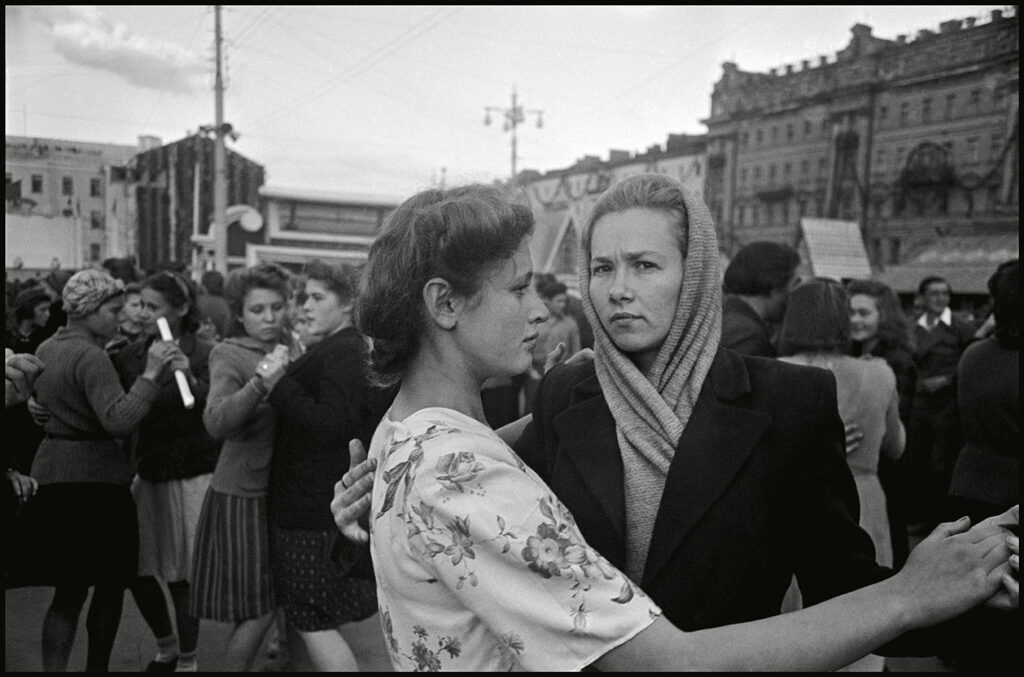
x,y
130,312
498,329
323,310
636,275
864,317
103,322
41,314
263,314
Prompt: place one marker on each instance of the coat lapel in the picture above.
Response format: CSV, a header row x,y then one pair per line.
x,y
716,442
586,431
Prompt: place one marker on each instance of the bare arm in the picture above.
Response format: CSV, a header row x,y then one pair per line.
x,y
949,572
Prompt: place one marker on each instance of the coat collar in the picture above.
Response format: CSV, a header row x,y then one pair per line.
x,y
716,442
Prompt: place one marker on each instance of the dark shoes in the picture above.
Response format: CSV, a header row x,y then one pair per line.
x,y
157,666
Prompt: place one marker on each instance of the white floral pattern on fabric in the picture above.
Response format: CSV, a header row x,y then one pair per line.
x,y
479,566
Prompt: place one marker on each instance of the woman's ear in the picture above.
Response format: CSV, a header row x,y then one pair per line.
x,y
442,303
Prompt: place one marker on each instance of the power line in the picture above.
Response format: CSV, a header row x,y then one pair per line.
x,y
370,60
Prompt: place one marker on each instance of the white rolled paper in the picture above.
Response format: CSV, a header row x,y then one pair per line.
x,y
186,393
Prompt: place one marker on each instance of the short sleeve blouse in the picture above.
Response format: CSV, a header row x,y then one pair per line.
x,y
478,564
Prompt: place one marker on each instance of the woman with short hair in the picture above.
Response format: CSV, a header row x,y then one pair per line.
x,y
231,566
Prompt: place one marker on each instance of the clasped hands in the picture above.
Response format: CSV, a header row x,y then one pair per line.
x,y
272,367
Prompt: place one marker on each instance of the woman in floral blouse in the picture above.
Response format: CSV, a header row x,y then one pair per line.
x,y
479,566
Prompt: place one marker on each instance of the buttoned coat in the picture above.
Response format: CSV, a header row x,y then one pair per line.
x,y
758,489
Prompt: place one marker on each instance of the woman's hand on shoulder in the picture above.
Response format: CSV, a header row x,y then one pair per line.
x,y
352,495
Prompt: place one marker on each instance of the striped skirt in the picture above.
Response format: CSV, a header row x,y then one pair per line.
x,y
231,576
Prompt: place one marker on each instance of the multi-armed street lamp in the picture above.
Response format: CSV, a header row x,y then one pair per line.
x,y
513,117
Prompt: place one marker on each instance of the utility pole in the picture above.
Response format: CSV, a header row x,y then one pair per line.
x,y
220,186
513,116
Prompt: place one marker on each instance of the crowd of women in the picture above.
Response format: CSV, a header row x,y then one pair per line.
x,y
225,503
651,510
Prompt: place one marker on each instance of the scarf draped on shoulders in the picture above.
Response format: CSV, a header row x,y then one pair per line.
x,y
651,410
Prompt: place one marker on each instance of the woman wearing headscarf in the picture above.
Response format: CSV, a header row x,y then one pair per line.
x,y
698,471
81,527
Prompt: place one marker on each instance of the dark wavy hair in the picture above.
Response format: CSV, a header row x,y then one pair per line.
x,y
817,318
759,268
241,281
894,328
177,290
1004,285
456,234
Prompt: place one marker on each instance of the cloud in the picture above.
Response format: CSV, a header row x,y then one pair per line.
x,y
83,35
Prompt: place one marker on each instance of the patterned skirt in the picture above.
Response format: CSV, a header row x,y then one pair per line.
x,y
316,593
231,564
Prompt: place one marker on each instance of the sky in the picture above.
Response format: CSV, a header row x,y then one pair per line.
x,y
390,99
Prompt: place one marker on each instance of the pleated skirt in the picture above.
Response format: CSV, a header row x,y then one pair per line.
x,y
231,563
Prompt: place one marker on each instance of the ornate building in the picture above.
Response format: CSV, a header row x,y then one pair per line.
x,y
915,140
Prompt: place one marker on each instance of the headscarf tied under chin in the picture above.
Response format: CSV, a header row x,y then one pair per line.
x,y
87,290
652,410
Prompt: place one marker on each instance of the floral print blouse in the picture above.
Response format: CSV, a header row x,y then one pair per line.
x,y
478,564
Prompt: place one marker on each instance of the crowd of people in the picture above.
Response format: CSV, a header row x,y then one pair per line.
x,y
640,476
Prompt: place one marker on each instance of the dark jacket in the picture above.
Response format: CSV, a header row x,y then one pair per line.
x,y
759,489
171,442
322,402
937,352
743,330
988,468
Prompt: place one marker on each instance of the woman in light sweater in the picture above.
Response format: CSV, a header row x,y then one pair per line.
x,y
82,527
231,567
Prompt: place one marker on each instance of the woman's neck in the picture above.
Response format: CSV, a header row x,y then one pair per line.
x,y
26,327
867,346
433,382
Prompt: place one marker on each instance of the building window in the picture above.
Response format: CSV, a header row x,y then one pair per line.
x,y
67,186
999,97
744,139
37,183
971,153
883,113
96,220
775,134
975,98
808,128
950,105
904,112
785,212
899,156
880,158
94,252
760,136
771,173
95,188
926,109
757,173
743,175
824,125
997,145
894,250
805,167
821,166
789,131
787,169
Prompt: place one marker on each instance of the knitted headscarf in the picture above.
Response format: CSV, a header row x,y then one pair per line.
x,y
651,410
87,290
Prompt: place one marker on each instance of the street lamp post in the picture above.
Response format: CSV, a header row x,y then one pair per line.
x,y
513,117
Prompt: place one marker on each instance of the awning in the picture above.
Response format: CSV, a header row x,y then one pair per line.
x,y
965,262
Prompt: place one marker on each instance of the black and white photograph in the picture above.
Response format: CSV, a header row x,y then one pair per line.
x,y
631,338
